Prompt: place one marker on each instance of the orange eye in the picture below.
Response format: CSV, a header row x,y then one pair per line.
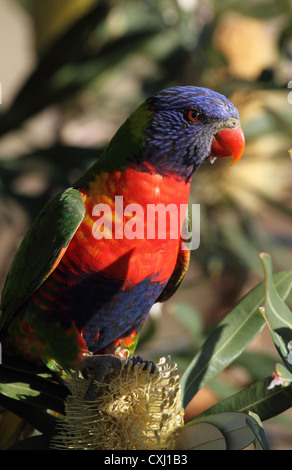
x,y
193,115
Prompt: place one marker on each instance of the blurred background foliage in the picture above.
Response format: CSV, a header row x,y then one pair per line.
x,y
88,64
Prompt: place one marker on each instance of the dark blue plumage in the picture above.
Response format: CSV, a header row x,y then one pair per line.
x,y
176,145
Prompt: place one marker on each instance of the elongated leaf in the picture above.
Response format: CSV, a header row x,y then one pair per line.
x,y
277,314
235,428
282,376
33,383
38,418
284,373
260,432
257,398
23,394
231,337
22,381
201,436
282,347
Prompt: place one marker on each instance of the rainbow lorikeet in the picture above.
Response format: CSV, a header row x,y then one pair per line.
x,y
72,293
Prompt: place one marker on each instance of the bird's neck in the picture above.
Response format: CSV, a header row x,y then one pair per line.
x,y
136,146
138,187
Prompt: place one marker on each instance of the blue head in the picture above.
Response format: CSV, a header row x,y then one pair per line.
x,y
174,132
186,123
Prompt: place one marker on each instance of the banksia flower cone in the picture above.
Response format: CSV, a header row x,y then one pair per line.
x,y
134,410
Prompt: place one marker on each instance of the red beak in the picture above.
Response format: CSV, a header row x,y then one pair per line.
x,y
228,143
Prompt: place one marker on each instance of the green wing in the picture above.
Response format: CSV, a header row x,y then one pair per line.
x,y
40,251
181,266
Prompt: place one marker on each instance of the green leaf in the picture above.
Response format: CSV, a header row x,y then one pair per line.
x,y
19,391
21,381
31,392
201,436
39,419
277,314
257,398
281,346
231,337
284,373
259,432
235,427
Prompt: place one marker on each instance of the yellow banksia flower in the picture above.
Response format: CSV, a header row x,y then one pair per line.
x,y
134,410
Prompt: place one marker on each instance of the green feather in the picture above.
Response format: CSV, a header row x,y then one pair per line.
x,y
51,231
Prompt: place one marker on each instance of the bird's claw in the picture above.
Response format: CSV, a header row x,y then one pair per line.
x,y
134,360
97,367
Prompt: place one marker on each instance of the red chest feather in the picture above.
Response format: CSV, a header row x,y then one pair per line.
x,y
135,216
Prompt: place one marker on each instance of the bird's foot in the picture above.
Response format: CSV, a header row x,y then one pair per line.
x,y
98,366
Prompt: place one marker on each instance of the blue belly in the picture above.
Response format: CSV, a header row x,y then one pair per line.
x,y
102,308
